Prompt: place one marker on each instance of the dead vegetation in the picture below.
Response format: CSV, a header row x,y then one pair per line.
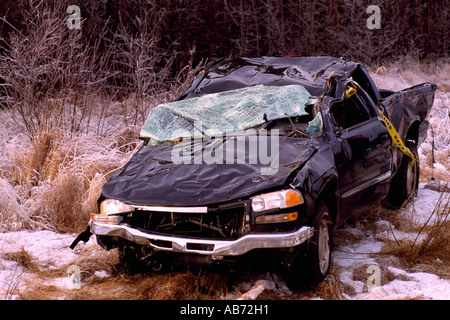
x,y
406,244
69,128
56,180
184,285
179,286
330,289
100,279
433,248
424,256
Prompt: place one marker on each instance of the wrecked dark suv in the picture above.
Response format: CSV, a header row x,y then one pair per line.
x,y
263,157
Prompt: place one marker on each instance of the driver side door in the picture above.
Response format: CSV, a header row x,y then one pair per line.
x,y
362,155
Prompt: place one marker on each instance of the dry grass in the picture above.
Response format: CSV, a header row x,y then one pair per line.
x,y
72,137
177,286
24,259
330,289
434,248
11,210
68,131
386,276
45,282
58,179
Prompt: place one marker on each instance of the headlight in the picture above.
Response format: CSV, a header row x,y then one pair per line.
x,y
111,206
110,211
279,199
105,218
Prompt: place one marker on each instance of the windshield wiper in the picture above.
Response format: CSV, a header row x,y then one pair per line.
x,y
294,128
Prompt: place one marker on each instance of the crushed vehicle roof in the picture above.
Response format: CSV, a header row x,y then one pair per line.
x,y
231,74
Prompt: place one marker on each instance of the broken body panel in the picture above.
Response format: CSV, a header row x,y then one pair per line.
x,y
336,150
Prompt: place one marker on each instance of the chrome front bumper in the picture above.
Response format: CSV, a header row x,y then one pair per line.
x,y
205,247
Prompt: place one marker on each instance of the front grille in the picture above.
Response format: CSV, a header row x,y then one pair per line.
x,y
226,222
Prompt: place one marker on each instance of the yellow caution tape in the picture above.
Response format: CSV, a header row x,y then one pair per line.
x,y
349,92
395,137
392,132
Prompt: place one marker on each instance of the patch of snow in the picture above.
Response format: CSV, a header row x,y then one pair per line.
x,y
101,274
418,285
420,210
46,248
409,285
52,249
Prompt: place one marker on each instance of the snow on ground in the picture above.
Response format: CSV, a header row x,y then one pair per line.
x,y
45,248
417,285
30,257
362,257
50,249
363,254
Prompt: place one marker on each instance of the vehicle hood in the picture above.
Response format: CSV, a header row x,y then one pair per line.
x,y
151,177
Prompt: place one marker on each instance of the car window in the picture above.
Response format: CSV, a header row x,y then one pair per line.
x,y
349,112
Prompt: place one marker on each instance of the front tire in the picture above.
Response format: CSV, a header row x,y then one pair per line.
x,y
312,268
319,257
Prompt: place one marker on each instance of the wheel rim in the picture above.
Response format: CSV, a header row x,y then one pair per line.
x,y
411,178
324,247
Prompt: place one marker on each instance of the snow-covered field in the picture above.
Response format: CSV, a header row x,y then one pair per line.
x,y
37,263
43,259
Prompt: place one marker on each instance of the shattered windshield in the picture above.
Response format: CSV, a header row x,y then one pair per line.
x,y
224,112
